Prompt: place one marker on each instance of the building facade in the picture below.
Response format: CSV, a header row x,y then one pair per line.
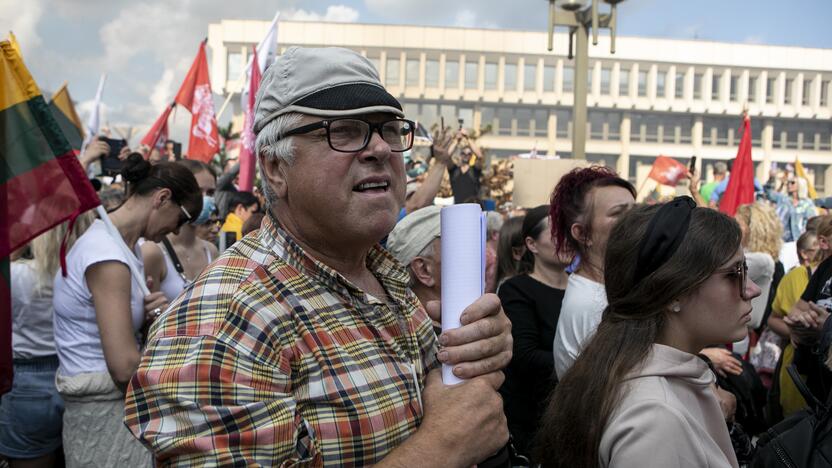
x,y
652,97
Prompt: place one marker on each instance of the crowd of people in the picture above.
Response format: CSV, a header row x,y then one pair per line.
x,y
299,325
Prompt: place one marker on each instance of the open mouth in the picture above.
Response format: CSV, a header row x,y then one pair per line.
x,y
372,187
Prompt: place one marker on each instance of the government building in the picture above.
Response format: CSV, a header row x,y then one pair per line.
x,y
653,97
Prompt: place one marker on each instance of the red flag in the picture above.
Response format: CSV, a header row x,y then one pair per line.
x,y
668,171
248,160
196,96
740,190
158,133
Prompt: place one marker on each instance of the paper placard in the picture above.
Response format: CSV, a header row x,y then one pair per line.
x,y
463,265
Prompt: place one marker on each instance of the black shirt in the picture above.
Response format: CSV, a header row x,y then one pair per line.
x,y
533,309
465,185
810,359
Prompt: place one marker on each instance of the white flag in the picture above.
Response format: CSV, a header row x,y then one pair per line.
x,y
266,50
94,122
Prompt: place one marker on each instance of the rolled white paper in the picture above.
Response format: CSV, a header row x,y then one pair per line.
x,y
463,266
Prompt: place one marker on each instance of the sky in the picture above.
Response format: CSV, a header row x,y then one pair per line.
x,y
146,46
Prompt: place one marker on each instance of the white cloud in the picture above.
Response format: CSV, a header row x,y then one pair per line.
x,y
334,13
22,22
465,19
163,90
754,39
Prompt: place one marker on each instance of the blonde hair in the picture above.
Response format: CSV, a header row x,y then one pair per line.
x,y
46,249
765,231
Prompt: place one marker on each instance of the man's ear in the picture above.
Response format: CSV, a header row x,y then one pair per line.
x,y
421,271
274,170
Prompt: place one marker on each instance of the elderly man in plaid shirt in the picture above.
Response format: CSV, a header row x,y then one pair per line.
x,y
302,344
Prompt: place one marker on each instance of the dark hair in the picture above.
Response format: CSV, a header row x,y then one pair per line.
x,y
197,166
143,178
569,203
585,398
241,198
510,239
813,223
532,227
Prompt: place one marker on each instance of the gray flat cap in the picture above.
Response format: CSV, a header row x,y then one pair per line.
x,y
327,82
413,233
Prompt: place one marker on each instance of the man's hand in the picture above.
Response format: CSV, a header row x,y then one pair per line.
x,y
723,361
806,315
463,424
444,145
482,344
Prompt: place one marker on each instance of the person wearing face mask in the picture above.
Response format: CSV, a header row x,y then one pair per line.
x,y
173,263
585,205
638,395
100,308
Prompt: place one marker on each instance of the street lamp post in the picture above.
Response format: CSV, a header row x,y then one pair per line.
x,y
581,19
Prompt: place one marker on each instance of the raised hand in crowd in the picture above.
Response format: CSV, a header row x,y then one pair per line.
x,y
442,149
94,151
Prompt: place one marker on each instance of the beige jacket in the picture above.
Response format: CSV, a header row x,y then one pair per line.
x,y
668,417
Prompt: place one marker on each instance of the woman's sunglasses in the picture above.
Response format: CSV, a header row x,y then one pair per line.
x,y
740,271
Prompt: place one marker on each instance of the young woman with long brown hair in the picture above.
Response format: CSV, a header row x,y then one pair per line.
x,y
638,395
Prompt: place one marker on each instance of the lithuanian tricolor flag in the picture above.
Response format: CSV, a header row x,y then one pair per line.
x,y
64,112
41,181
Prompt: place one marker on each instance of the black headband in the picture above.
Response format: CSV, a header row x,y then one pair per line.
x,y
665,232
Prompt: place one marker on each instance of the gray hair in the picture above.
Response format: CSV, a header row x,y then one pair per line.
x,y
720,168
270,146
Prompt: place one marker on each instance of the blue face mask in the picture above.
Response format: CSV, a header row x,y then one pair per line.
x,y
208,207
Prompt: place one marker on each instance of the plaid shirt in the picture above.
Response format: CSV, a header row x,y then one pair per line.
x,y
272,358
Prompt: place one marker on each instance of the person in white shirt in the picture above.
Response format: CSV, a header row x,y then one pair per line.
x,y
585,205
99,309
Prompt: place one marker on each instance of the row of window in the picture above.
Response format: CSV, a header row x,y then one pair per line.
x,y
606,125
567,85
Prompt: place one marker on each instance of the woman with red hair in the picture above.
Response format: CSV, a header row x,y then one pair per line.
x,y
585,205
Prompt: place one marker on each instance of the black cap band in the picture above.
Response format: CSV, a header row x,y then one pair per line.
x,y
665,232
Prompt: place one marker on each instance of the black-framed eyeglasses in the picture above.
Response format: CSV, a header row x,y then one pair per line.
x,y
350,135
740,271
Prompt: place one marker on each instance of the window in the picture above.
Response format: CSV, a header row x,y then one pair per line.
x,y
392,76
605,80
548,78
504,117
589,79
661,76
824,93
624,83
431,73
697,86
807,85
770,86
451,75
679,92
471,74
568,79
412,72
541,122
604,125
787,98
510,77
642,83
716,130
529,77
488,119
564,120
732,90
235,65
752,89
524,120
490,75
596,125
715,87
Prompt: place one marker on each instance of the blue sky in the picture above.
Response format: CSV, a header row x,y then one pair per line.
x,y
146,46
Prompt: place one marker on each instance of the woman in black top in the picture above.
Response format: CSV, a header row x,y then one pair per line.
x,y
532,301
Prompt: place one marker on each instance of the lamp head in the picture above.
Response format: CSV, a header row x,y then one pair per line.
x,y
613,2
572,5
